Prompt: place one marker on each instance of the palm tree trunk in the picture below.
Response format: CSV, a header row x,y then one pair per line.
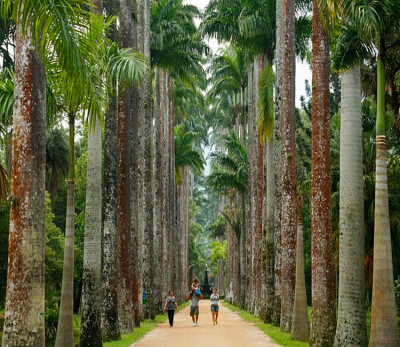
x,y
269,230
278,163
250,198
146,172
288,231
157,196
65,329
110,322
351,328
25,304
383,313
323,322
300,326
243,280
125,295
91,281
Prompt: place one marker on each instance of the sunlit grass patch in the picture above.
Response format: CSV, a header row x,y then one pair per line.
x,y
273,332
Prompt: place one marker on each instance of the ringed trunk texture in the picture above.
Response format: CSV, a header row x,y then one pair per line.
x,y
300,326
288,231
278,163
65,329
25,305
323,322
383,313
351,327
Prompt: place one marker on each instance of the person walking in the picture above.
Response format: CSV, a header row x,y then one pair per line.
x,y
194,296
214,306
170,305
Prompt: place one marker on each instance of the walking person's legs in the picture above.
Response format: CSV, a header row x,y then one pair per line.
x,y
216,316
171,317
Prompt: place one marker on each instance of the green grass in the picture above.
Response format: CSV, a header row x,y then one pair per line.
x,y
273,332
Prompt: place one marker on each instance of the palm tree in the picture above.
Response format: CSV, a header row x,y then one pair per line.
x,y
289,210
24,321
369,25
323,287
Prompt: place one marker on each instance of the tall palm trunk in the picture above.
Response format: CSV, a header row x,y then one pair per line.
x,y
278,162
145,166
65,329
383,314
269,229
110,322
250,189
288,231
351,327
300,326
91,281
125,95
243,279
157,196
25,305
323,321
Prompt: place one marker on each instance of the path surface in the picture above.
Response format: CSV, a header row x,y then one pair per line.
x,y
231,330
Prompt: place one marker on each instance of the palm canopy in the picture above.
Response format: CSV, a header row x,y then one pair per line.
x,y
185,155
361,29
230,169
250,25
228,72
78,55
175,45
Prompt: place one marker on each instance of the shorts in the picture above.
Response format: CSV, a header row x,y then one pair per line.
x,y
194,311
214,308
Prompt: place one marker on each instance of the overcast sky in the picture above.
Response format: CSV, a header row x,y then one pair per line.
x,y
303,71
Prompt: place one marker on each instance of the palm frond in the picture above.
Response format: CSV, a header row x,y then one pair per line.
x,y
266,112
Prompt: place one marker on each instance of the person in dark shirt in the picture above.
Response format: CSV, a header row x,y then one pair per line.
x,y
170,305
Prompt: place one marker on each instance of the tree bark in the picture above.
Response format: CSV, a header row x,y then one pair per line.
x,y
383,313
91,281
158,195
300,326
278,162
269,230
288,231
25,305
351,327
110,278
323,322
65,329
126,270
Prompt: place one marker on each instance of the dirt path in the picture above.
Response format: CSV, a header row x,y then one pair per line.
x,y
231,330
